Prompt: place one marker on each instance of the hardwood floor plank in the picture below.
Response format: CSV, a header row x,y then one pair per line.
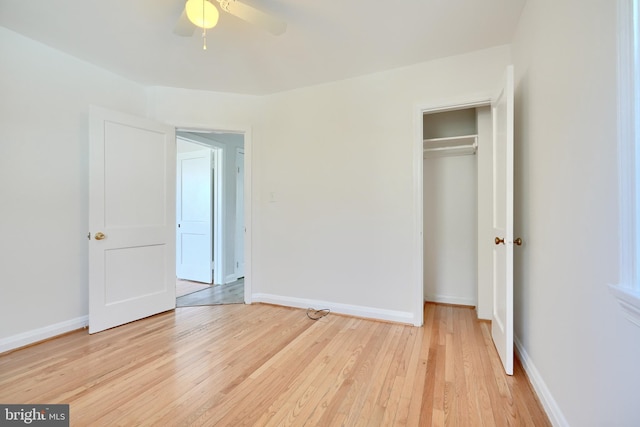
x,y
428,389
462,408
440,395
482,413
285,408
418,391
300,403
332,382
413,356
262,365
370,412
354,378
309,362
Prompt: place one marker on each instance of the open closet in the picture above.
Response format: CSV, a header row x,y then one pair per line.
x,y
457,185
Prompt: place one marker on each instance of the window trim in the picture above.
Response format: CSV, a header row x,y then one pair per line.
x,y
627,291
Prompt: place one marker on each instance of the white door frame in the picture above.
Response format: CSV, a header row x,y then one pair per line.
x,y
248,150
239,229
468,101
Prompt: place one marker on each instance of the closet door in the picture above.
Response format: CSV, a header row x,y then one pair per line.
x,y
502,319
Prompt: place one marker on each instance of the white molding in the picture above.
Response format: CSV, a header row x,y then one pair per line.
x,y
627,291
248,216
629,302
627,160
405,317
40,334
480,99
556,417
418,220
220,220
447,299
239,231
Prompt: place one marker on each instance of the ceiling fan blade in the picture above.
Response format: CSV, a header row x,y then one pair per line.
x,y
184,27
257,17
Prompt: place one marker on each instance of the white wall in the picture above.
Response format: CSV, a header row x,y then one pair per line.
x,y
336,205
572,332
44,105
201,110
450,229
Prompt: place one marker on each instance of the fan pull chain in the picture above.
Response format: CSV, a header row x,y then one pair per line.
x,y
204,30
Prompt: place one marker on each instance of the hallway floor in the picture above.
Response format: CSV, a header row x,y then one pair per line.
x,y
230,293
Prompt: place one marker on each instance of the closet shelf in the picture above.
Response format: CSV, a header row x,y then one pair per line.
x,y
450,146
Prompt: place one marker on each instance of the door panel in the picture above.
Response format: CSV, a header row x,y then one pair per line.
x,y
502,319
129,269
194,237
132,180
141,162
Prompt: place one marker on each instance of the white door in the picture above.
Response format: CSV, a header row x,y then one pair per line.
x,y
502,319
131,218
194,216
239,252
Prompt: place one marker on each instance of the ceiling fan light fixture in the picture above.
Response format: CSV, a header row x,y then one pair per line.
x,y
202,13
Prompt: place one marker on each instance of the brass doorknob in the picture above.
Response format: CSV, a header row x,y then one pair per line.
x,y
518,241
499,240
99,235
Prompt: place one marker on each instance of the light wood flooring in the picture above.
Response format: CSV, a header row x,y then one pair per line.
x,y
262,365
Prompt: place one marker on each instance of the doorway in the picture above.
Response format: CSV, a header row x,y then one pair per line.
x,y
495,214
456,207
211,190
132,216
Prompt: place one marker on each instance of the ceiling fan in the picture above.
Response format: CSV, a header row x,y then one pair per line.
x,y
203,14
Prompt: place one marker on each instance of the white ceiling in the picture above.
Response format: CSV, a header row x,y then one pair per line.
x,y
326,40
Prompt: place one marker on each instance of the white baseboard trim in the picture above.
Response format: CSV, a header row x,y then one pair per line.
x,y
445,299
548,402
348,309
40,334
